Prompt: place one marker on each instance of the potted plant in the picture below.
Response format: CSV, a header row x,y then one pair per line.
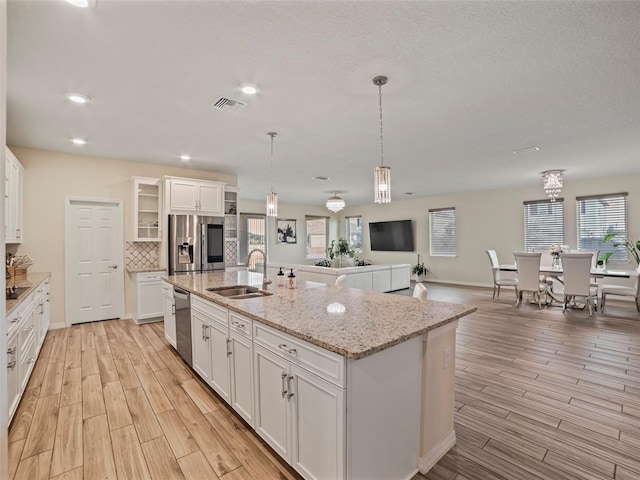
x,y
420,270
341,249
634,250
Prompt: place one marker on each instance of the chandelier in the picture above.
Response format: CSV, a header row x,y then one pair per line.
x,y
552,181
335,203
381,173
272,197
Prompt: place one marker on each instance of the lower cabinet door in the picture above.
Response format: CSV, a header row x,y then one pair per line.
x,y
318,426
241,376
169,320
271,405
201,351
12,375
220,359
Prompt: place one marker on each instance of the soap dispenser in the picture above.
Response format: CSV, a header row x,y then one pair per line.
x,y
280,278
291,280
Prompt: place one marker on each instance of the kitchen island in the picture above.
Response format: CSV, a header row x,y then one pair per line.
x,y
342,383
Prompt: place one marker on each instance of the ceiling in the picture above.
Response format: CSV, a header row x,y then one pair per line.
x,y
469,82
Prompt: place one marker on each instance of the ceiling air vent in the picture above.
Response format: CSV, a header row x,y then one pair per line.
x,y
228,105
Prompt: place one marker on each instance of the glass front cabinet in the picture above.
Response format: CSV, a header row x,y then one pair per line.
x,y
147,202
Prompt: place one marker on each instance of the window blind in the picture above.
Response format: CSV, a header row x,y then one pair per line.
x,y
317,231
543,224
354,231
252,235
600,215
442,232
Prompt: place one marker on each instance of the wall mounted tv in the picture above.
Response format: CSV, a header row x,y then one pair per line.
x,y
394,236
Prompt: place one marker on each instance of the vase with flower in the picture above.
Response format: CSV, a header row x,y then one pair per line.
x,y
555,251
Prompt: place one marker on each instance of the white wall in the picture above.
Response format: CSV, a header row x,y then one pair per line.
x,y
50,176
289,253
486,220
3,324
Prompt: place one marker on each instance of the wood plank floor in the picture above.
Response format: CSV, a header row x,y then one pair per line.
x,y
539,395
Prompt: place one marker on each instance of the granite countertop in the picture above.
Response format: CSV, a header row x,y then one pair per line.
x,y
370,322
340,270
145,269
30,280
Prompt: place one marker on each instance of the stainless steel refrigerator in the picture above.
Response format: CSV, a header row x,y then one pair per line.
x,y
196,244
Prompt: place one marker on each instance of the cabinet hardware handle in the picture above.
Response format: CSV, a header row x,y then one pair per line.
x,y
290,394
238,324
115,267
206,331
173,309
228,347
283,346
15,320
27,329
30,360
284,389
11,365
11,351
202,328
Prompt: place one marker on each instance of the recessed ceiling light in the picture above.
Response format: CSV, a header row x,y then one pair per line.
x,y
77,97
185,157
320,178
249,88
526,150
82,3
79,141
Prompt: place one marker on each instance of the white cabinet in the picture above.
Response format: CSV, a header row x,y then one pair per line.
x,y
13,188
300,411
400,276
147,209
201,350
27,327
219,343
169,312
148,302
193,196
241,366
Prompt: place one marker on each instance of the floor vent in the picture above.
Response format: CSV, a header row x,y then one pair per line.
x,y
228,104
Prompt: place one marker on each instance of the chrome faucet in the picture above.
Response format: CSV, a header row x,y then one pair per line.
x,y
265,280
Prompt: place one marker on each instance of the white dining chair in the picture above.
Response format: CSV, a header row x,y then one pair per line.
x,y
340,280
594,263
546,260
576,268
528,268
498,281
420,291
623,291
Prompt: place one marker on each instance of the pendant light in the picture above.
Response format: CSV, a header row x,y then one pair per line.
x,y
335,203
381,173
272,197
553,180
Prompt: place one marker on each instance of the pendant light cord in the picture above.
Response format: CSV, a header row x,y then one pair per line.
x,y
381,137
272,134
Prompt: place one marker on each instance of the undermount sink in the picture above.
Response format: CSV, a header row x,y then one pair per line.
x,y
239,292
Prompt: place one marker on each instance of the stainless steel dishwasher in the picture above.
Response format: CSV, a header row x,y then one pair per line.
x,y
182,300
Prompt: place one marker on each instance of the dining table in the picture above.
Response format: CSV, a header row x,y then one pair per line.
x,y
556,273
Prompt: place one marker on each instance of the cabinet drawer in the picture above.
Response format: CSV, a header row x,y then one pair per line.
x,y
166,288
27,359
328,365
27,328
210,309
241,324
150,276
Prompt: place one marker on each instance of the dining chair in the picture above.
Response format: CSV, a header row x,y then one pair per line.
x,y
594,263
420,291
498,281
622,291
528,268
546,260
340,280
576,268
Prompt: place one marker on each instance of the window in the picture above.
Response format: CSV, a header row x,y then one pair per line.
x,y
600,215
442,232
543,224
354,231
252,235
317,231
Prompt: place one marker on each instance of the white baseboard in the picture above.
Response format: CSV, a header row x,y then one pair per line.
x,y
56,326
427,461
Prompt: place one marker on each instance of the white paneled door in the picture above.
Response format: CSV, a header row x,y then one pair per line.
x,y
94,276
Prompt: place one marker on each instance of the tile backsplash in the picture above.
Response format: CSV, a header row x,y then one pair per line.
x,y
142,254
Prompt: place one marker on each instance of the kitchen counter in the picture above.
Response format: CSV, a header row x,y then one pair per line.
x,y
145,269
30,281
371,321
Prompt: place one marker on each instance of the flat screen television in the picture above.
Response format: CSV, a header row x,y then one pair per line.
x,y
394,236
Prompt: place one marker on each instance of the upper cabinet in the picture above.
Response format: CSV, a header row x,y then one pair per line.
x,y
231,213
147,209
200,197
13,186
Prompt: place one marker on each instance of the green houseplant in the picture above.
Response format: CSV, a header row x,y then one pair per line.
x,y
341,249
634,250
420,270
